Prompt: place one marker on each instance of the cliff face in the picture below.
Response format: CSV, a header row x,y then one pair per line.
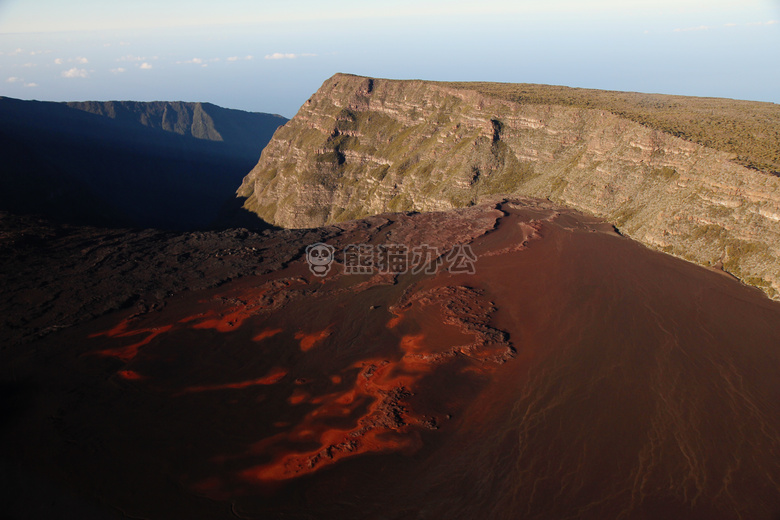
x,y
362,146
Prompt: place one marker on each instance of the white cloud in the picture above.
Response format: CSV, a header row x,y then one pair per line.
x,y
19,50
280,56
75,73
200,61
237,58
146,66
233,58
286,56
15,79
117,70
80,60
699,28
30,65
130,57
730,24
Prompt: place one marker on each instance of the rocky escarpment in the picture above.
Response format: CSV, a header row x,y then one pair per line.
x,y
247,132
362,146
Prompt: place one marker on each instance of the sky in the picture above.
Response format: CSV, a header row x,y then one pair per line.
x,y
271,56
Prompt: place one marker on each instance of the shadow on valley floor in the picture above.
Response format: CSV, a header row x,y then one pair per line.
x,y
140,165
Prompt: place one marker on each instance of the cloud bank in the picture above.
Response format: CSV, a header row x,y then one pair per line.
x,y
287,56
75,73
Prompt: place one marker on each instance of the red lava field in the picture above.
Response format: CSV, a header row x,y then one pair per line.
x,y
574,375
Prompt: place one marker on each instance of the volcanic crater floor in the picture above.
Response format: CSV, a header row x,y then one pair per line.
x,y
571,373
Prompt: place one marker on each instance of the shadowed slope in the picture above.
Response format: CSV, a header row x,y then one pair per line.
x,y
246,133
164,165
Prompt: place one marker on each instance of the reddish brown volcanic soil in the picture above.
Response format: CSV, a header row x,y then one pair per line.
x,y
575,374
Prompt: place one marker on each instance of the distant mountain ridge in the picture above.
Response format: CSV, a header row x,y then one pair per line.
x,y
199,120
170,165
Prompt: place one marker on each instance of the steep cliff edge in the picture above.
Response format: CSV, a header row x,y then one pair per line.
x,y
361,146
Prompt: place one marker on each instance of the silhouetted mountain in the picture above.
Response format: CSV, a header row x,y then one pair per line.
x,y
159,164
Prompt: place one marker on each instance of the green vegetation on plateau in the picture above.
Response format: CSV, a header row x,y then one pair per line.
x,y
748,129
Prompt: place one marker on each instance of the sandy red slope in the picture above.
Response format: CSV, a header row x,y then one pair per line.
x,y
575,374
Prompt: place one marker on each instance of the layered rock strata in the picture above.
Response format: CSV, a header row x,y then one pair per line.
x,y
362,146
